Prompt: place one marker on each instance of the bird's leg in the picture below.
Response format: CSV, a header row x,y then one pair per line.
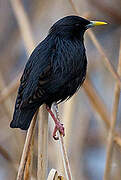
x,y
61,128
58,126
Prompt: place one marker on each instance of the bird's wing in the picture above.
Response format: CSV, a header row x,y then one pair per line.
x,y
35,75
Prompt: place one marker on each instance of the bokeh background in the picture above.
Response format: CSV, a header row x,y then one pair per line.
x,y
86,133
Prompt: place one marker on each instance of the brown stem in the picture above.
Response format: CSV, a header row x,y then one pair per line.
x,y
27,145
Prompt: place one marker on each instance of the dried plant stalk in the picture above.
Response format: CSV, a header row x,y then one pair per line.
x,y
28,167
104,57
26,149
7,105
5,154
67,118
100,108
113,124
99,48
68,111
109,10
96,102
24,25
42,144
65,158
7,91
63,149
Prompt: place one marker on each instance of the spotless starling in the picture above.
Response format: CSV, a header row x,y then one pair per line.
x,y
54,72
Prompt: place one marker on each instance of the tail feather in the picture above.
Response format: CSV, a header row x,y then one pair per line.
x,y
22,118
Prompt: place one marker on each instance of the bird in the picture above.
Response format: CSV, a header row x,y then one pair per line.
x,y
54,72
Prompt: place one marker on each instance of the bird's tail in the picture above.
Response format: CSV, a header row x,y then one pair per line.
x,y
22,118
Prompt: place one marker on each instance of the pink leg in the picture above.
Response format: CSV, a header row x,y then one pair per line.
x,y
58,126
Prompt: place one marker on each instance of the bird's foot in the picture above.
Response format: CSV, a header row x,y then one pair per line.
x,y
58,126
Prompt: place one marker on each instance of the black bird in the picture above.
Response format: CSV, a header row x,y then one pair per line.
x,y
54,72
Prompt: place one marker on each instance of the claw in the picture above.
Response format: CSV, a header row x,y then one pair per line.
x,y
58,126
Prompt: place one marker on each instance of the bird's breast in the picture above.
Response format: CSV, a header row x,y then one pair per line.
x,y
69,57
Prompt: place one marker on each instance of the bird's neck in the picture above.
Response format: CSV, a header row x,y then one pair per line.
x,y
67,35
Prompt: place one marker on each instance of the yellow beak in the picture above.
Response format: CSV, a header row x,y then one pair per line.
x,y
97,23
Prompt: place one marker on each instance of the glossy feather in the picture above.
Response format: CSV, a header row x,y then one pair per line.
x,y
54,72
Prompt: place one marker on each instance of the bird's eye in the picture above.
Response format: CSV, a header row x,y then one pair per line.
x,y
77,25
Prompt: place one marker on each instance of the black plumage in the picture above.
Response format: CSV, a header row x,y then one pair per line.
x,y
55,70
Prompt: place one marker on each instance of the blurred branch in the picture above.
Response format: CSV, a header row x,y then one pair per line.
x,y
99,48
104,57
7,106
9,90
100,107
110,11
24,25
42,144
27,146
96,101
5,154
113,123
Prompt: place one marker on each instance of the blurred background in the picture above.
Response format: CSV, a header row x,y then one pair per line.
x,y
86,133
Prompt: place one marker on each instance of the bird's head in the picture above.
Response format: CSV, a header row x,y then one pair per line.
x,y
73,26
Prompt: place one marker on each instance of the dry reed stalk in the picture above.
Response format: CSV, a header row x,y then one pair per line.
x,y
24,25
99,48
100,108
96,101
7,106
8,103
109,10
63,149
27,146
117,162
67,118
8,90
8,158
28,167
5,154
113,124
42,144
104,57
65,158
68,110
